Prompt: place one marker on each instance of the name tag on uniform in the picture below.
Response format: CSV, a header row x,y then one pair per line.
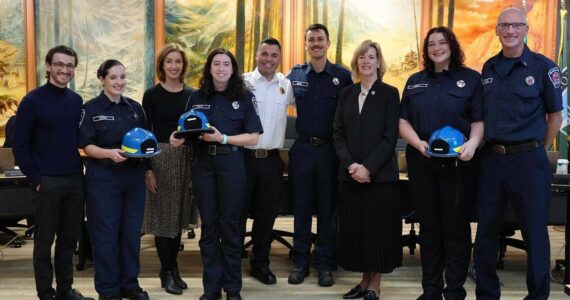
x,y
487,80
419,85
103,118
201,106
300,83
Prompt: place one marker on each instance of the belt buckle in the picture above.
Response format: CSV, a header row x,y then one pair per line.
x,y
212,149
314,141
260,153
500,149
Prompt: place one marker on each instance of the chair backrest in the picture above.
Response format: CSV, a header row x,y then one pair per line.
x,y
6,158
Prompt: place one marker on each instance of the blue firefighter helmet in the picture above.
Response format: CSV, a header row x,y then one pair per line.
x,y
192,124
139,143
446,142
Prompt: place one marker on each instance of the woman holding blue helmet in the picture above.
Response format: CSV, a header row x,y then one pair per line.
x,y
441,165
114,183
218,176
169,208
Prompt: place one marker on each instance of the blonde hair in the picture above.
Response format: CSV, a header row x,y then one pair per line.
x,y
362,49
161,57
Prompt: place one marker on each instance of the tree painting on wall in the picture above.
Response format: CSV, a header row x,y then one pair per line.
x,y
474,21
12,59
238,25
99,30
394,24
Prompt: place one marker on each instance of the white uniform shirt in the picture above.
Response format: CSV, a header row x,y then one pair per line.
x,y
272,98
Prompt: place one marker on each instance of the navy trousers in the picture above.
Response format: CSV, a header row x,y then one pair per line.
x,y
219,186
443,191
115,210
263,195
312,172
524,180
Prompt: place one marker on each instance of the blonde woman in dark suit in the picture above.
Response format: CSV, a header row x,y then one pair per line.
x,y
365,135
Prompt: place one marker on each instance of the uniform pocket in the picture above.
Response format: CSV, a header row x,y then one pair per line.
x,y
529,100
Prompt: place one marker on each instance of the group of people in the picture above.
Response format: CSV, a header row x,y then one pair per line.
x,y
342,164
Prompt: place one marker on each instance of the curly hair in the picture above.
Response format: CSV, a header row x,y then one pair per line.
x,y
236,87
456,59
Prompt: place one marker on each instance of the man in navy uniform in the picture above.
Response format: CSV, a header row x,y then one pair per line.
x,y
45,146
521,102
313,163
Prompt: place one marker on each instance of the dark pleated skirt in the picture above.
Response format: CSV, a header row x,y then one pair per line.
x,y
369,227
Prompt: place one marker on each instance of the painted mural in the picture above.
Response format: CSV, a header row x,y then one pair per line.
x,y
12,60
474,21
99,30
394,24
203,25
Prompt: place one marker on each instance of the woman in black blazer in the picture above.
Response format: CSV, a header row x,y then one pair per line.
x,y
365,135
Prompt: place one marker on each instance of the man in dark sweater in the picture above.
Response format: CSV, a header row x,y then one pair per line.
x,y
46,149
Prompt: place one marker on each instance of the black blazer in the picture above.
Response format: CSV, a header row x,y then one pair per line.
x,y
368,138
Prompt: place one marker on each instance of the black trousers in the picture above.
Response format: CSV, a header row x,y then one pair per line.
x,y
443,190
59,211
263,189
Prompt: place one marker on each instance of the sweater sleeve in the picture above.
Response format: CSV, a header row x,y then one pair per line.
x,y
22,141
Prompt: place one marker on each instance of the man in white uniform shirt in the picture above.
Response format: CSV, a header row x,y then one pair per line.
x,y
273,93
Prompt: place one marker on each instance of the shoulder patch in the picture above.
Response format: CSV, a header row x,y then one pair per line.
x,y
82,116
254,102
554,75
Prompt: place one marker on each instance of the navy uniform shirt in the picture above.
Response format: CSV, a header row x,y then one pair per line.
x,y
316,97
229,116
517,94
104,123
433,100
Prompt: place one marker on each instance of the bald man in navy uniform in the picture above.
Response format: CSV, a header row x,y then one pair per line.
x,y
521,101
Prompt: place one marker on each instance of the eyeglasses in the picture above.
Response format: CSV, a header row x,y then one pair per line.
x,y
506,26
60,66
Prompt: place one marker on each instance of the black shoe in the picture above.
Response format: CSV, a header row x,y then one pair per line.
x,y
110,297
264,275
135,294
211,296
178,279
168,282
73,294
354,293
325,278
371,295
233,296
298,275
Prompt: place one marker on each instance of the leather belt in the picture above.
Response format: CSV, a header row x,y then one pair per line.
x,y
315,141
512,148
215,149
262,153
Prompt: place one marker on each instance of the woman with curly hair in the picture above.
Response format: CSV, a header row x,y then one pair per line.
x,y
442,187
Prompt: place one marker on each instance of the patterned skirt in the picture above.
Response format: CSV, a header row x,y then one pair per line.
x,y
172,208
